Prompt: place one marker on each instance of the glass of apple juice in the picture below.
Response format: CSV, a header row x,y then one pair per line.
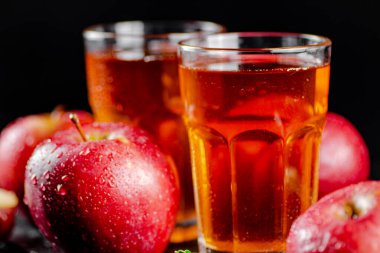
x,y
132,76
254,106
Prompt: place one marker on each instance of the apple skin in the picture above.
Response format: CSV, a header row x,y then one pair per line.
x,y
344,155
331,226
115,192
8,205
19,138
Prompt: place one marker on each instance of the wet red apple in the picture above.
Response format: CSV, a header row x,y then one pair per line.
x,y
111,190
19,138
345,221
8,204
344,155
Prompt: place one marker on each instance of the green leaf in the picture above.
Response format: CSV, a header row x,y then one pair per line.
x,y
182,251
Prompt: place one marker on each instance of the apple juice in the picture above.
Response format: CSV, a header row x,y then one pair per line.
x,y
145,91
255,130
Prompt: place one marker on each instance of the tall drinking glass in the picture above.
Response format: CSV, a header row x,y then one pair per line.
x,y
255,106
132,76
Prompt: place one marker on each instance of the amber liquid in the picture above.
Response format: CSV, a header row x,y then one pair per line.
x,y
145,92
254,135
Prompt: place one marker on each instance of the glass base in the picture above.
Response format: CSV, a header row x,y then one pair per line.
x,y
184,232
204,249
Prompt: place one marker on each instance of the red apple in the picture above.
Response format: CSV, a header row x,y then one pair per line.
x,y
344,155
114,192
8,204
345,221
19,138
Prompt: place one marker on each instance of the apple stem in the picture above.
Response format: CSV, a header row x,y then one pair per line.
x,y
351,210
74,118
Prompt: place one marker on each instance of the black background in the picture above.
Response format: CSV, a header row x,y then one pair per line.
x,y
42,63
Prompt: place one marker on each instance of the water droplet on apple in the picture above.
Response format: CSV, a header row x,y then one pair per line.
x,y
87,151
61,190
34,179
46,174
142,140
60,155
100,158
111,182
65,178
101,179
43,188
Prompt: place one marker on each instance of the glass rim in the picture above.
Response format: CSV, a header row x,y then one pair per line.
x,y
90,32
323,42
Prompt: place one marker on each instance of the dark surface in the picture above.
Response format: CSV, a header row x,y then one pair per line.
x,y
26,238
